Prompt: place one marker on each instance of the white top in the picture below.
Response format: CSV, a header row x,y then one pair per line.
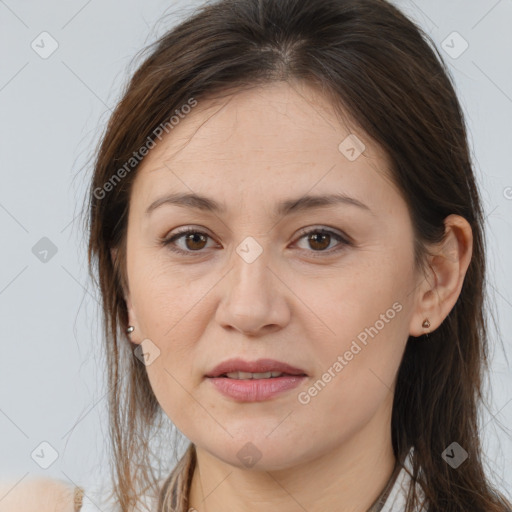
x,y
94,501
398,494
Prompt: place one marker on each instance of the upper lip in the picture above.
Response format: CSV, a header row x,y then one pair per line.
x,y
258,366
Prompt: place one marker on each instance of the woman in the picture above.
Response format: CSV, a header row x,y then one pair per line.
x,y
290,181
288,240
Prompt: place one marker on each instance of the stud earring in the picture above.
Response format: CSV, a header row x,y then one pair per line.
x,y
426,323
130,329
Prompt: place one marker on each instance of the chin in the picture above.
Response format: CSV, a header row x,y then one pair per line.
x,y
258,452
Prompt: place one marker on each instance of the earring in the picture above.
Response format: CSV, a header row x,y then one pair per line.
x,y
130,329
426,323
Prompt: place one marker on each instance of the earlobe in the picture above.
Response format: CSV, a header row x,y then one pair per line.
x,y
131,329
448,264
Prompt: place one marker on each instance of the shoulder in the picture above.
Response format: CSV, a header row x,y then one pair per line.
x,y
41,494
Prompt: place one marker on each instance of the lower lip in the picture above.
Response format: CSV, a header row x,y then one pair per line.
x,y
255,390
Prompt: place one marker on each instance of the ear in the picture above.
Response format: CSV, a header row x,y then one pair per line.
x,y
132,318
438,293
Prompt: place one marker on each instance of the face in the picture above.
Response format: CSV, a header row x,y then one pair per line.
x,y
328,288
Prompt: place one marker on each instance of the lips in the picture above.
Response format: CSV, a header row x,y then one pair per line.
x,y
258,366
236,379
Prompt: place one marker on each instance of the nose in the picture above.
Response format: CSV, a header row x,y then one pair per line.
x,y
254,298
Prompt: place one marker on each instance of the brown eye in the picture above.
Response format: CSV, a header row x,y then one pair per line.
x,y
191,241
195,241
319,241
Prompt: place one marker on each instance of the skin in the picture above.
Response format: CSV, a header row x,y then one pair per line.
x,y
293,303
39,494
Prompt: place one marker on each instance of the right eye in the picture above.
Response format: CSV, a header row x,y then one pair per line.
x,y
194,241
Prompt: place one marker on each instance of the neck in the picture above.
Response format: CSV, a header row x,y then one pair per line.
x,y
346,478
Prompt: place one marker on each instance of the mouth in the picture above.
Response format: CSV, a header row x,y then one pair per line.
x,y
256,376
259,369
255,381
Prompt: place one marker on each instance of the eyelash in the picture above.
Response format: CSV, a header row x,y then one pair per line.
x,y
180,234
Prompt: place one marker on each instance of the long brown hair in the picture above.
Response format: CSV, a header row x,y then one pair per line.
x,y
386,73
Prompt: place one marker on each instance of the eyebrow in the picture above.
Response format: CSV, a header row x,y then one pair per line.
x,y
287,207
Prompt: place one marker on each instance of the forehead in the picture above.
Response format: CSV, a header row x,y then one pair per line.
x,y
277,135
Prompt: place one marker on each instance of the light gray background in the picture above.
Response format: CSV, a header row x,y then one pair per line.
x,y
52,112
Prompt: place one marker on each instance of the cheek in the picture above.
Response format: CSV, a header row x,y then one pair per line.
x,y
367,314
366,303
356,372
160,294
170,311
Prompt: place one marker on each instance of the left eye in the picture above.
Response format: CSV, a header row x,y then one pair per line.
x,y
318,239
